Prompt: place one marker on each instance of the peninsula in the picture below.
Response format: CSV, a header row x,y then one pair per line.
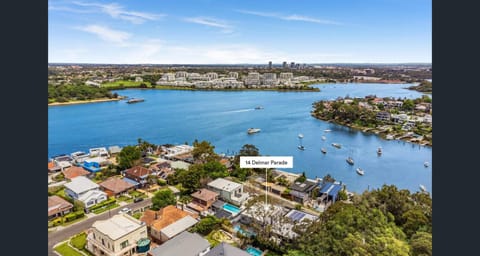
x,y
403,119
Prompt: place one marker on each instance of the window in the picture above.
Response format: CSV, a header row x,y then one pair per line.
x,y
124,244
103,242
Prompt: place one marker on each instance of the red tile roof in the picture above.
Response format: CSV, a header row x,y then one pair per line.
x,y
74,171
116,185
57,204
165,216
138,171
205,195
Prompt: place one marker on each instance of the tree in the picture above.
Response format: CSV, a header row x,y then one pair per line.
x,y
207,224
249,150
215,169
190,179
408,105
301,178
204,152
328,178
163,198
421,244
128,157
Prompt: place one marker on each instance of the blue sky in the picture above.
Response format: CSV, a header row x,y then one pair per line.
x,y
246,31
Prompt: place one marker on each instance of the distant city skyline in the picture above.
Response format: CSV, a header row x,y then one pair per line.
x,y
240,32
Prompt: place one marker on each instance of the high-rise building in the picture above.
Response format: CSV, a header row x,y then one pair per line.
x,y
292,64
270,65
284,65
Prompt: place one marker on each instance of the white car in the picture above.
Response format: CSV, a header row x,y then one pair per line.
x,y
126,210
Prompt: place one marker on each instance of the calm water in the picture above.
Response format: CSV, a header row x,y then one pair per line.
x,y
223,118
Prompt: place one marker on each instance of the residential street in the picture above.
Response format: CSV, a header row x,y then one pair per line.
x,y
63,234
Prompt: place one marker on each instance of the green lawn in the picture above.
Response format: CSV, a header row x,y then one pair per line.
x,y
124,82
65,250
79,241
137,215
104,209
125,199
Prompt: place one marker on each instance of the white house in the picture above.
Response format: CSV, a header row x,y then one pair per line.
x,y
85,190
229,191
116,236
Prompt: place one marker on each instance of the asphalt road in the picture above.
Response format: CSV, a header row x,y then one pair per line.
x,y
61,235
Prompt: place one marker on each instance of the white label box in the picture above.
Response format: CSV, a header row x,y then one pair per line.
x,y
266,162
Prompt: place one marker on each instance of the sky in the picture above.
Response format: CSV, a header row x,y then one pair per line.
x,y
239,31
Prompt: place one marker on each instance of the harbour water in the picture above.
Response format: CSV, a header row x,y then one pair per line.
x,y
223,117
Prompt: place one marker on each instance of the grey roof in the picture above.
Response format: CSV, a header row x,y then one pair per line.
x,y
118,225
221,213
306,186
185,244
81,184
179,226
218,204
225,249
114,149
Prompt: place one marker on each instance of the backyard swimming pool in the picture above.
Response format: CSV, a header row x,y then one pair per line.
x,y
231,208
254,251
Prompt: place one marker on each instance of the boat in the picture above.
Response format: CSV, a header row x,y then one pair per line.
x,y
336,145
350,160
324,138
426,164
379,150
301,147
423,188
134,100
323,150
360,171
253,130
389,137
327,130
258,107
300,135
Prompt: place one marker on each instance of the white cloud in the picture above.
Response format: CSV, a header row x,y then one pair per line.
x,y
107,34
292,17
211,22
118,12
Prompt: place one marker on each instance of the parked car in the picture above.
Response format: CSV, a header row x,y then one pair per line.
x,y
126,210
137,199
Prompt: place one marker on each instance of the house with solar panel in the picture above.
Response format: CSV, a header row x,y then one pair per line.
x,y
301,191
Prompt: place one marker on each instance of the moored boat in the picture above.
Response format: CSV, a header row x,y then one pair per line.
x,y
360,171
253,130
323,150
336,145
258,107
301,147
324,138
426,164
423,188
134,100
350,161
379,150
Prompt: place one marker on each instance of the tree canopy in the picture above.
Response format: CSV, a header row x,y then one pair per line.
x,y
204,152
128,157
163,198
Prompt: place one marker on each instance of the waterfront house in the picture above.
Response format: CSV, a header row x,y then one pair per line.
x,y
185,244
167,222
203,199
113,150
329,192
85,191
118,236
139,174
53,167
79,156
115,186
299,216
300,191
74,171
383,116
273,188
99,152
400,118
224,249
229,191
58,206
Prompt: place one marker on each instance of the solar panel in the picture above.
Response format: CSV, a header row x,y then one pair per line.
x,y
295,215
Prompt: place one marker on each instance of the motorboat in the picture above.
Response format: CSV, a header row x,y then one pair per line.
x,y
426,164
301,147
324,138
389,137
350,160
336,145
360,171
379,150
323,150
135,100
327,130
258,107
253,130
300,136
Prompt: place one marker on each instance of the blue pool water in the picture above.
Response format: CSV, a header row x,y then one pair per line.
x,y
237,228
231,208
254,251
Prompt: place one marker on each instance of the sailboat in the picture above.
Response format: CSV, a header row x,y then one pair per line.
x,y
300,137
